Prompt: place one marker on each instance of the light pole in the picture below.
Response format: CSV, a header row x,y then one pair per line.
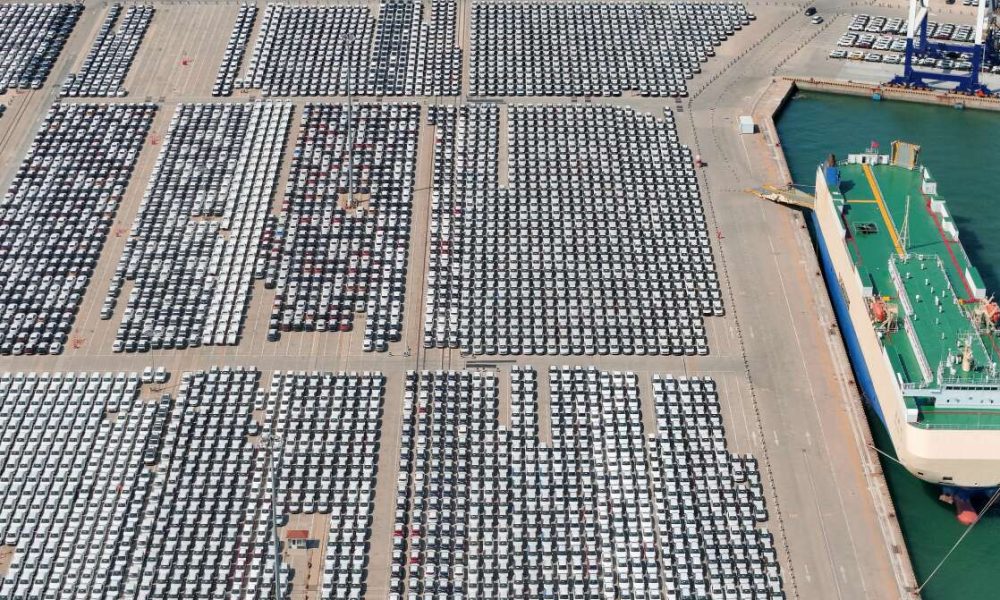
x,y
273,445
350,113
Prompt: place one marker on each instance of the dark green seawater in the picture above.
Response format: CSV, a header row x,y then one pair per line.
x,y
958,147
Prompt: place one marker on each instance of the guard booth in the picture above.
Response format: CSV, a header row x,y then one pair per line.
x,y
298,539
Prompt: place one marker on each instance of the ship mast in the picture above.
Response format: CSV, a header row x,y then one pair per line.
x,y
904,233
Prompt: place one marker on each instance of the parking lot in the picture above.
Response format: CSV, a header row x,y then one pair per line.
x,y
340,245
31,37
598,245
57,213
595,48
529,168
334,50
876,39
192,254
106,66
574,517
191,467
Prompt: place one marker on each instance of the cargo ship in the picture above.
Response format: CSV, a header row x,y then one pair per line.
x,y
919,327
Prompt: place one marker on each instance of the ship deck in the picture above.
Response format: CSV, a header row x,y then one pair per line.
x,y
933,284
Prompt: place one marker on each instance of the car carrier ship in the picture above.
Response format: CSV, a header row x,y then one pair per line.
x,y
918,324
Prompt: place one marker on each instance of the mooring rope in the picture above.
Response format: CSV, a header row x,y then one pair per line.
x,y
968,529
993,499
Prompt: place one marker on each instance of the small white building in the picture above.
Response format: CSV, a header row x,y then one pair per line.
x,y
298,539
747,125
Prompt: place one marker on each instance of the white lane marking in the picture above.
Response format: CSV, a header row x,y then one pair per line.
x,y
747,153
819,422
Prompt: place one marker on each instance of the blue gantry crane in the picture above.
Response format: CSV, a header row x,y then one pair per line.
x,y
983,50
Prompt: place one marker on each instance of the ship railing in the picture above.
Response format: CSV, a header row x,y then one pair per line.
x,y
911,333
918,351
971,382
984,380
897,281
987,422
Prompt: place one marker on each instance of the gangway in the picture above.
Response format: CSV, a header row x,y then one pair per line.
x,y
788,197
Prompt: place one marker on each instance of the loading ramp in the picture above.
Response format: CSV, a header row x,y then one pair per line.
x,y
788,197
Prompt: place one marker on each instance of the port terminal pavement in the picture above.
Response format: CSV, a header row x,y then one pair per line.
x,y
818,445
786,387
809,63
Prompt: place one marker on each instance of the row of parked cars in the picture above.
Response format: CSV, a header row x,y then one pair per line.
x,y
873,41
329,427
195,242
895,26
333,253
31,37
890,58
107,494
595,48
597,245
883,40
229,69
74,482
335,50
56,216
876,24
110,58
604,509
706,499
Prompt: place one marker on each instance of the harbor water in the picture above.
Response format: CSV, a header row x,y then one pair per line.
x,y
958,148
